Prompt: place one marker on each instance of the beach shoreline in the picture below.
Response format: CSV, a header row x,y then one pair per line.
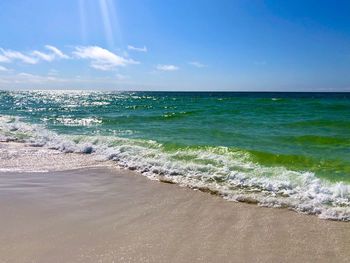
x,y
105,214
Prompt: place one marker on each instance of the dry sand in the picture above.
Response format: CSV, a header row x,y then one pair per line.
x,y
110,215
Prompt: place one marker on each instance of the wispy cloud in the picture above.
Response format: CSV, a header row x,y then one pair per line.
x,y
33,57
122,77
4,59
27,78
43,56
167,67
55,53
36,78
53,72
139,49
102,59
58,53
2,68
11,55
197,64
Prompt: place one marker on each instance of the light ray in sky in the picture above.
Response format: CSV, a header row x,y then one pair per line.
x,y
82,16
107,23
115,22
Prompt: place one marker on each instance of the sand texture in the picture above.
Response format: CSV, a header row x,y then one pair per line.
x,y
111,215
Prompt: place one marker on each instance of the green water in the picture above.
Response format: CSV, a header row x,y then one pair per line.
x,y
299,131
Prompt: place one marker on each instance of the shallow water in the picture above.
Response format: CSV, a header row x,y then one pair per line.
x,y
278,149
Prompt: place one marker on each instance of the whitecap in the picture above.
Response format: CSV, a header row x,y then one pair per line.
x,y
229,173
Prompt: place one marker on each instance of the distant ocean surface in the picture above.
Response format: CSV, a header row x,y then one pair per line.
x,y
274,149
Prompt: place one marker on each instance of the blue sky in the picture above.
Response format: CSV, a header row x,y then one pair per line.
x,y
289,45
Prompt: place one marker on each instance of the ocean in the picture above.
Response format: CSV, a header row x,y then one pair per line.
x,y
289,150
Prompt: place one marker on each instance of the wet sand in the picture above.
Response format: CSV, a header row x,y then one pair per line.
x,y
110,215
22,157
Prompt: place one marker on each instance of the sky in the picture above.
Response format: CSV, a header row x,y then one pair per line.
x,y
187,45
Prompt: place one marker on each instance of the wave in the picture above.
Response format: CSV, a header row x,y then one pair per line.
x,y
230,173
319,140
341,124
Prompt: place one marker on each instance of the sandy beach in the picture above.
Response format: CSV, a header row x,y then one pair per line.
x,y
104,214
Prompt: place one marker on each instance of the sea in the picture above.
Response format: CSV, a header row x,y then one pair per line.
x,y
273,149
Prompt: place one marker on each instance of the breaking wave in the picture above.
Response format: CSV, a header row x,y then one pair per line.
x,y
230,173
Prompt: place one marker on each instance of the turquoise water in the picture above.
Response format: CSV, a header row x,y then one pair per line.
x,y
260,135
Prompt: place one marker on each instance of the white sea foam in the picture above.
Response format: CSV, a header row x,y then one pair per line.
x,y
224,171
78,122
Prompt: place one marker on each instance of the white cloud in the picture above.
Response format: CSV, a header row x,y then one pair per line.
x,y
139,49
27,77
11,55
32,78
58,53
54,54
43,56
33,57
2,68
4,59
197,64
102,59
167,67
